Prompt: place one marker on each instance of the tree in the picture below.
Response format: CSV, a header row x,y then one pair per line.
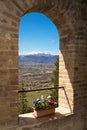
x,y
23,108
55,74
55,81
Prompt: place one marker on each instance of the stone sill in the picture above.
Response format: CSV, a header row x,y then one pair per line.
x,y
30,120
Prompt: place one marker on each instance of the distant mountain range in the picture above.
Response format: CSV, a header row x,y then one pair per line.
x,y
37,58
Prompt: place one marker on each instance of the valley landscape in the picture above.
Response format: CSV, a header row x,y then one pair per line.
x,y
36,71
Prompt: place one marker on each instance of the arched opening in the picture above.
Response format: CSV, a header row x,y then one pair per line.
x,y
38,59
70,19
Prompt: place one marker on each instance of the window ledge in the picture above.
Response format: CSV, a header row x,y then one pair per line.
x,y
29,119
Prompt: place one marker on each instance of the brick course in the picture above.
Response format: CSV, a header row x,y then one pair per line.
x,y
70,17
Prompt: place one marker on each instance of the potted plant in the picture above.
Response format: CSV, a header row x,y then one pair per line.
x,y
44,106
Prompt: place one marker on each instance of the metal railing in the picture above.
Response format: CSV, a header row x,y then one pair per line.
x,y
56,88
22,91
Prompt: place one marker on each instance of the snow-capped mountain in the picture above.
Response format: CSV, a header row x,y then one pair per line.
x,y
37,58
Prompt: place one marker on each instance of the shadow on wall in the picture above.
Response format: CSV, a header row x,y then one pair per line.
x,y
75,64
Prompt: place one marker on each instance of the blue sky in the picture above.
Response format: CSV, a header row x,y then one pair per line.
x,y
37,34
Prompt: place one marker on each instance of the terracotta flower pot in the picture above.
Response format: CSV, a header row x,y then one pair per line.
x,y
40,113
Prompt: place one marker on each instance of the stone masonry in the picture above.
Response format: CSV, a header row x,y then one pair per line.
x,y
70,18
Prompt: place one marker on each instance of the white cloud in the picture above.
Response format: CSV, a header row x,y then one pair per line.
x,y
52,41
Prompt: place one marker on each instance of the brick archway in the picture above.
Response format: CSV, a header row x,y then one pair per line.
x,y
65,15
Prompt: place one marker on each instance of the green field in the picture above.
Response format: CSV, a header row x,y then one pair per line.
x,y
35,95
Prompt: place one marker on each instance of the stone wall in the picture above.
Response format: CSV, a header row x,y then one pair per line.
x,y
70,19
66,123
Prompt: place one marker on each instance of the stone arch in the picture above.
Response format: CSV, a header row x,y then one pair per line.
x,y
65,15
